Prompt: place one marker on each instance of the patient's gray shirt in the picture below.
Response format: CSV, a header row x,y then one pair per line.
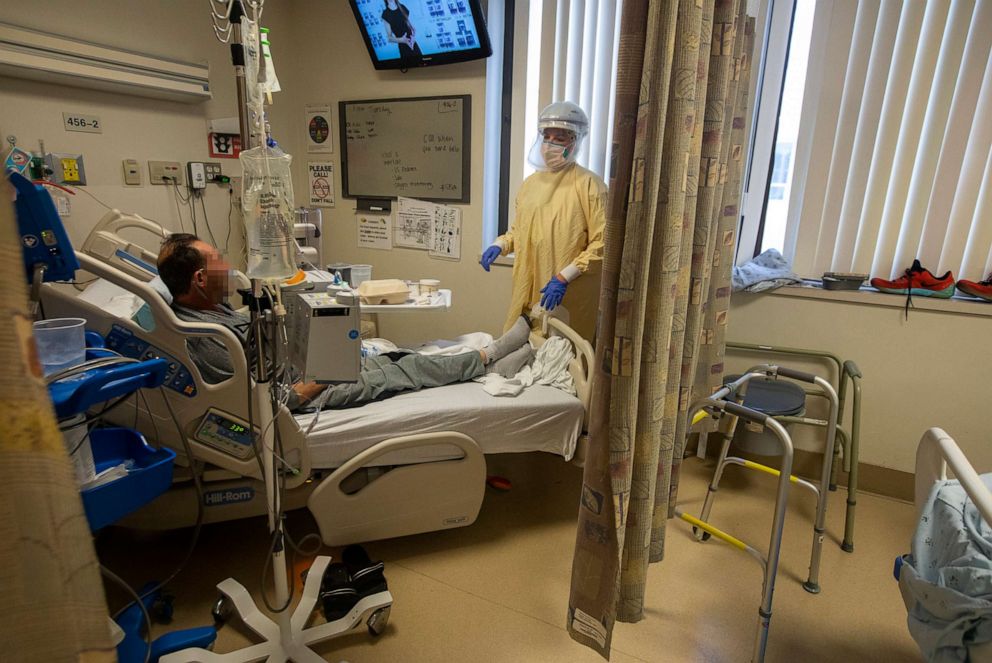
x,y
209,355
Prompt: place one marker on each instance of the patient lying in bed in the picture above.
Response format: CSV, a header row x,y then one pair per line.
x,y
197,278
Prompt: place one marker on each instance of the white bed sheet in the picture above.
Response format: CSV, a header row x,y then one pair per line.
x,y
540,419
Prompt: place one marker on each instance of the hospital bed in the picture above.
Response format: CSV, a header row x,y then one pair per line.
x,y
413,463
945,582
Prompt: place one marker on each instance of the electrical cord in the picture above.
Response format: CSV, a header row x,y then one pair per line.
x,y
82,190
192,211
206,220
185,200
81,442
198,486
76,189
175,199
147,409
99,415
88,365
110,575
230,222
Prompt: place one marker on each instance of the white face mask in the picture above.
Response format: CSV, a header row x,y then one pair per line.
x,y
555,156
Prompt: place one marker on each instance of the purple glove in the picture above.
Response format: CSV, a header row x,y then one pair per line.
x,y
552,294
489,256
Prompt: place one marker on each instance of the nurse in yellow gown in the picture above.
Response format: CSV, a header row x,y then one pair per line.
x,y
560,214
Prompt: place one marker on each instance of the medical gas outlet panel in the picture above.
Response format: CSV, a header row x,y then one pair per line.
x,y
177,377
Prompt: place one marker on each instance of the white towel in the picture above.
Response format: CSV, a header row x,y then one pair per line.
x,y
550,367
473,342
467,343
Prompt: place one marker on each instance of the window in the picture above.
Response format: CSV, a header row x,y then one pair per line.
x,y
787,26
872,144
544,51
781,174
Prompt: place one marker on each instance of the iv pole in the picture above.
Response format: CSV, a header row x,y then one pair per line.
x,y
287,638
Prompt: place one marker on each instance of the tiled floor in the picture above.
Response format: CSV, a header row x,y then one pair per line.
x,y
498,590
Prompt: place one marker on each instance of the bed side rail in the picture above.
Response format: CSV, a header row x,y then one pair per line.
x,y
104,240
935,452
170,334
165,318
581,366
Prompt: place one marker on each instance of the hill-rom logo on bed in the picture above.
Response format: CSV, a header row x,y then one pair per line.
x,y
229,496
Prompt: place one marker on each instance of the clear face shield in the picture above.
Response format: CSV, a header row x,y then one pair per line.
x,y
554,149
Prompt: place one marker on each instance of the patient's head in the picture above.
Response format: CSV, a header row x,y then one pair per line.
x,y
195,272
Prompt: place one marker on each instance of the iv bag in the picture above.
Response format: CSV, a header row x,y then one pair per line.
x,y
267,71
254,70
267,205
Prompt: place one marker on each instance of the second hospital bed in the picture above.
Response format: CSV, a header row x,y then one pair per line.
x,y
412,463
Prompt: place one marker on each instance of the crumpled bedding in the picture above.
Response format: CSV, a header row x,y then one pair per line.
x,y
767,271
946,582
549,367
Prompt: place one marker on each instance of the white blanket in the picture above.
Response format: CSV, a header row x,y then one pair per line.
x,y
468,343
550,367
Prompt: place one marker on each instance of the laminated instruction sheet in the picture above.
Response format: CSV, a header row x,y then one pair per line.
x,y
429,226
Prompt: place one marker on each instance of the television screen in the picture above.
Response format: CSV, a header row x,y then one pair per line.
x,y
401,34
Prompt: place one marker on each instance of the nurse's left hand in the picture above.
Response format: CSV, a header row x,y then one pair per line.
x,y
553,293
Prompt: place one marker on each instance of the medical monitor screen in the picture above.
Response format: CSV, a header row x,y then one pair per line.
x,y
402,34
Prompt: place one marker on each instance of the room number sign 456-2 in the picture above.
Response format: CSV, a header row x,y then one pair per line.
x,y
88,123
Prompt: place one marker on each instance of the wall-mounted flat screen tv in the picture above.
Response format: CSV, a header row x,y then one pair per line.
x,y
403,34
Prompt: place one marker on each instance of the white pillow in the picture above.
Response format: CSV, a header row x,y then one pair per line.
x,y
159,286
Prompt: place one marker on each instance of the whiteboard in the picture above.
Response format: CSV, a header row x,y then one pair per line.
x,y
418,148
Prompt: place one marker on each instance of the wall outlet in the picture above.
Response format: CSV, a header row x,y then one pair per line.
x,y
165,172
132,172
66,168
214,172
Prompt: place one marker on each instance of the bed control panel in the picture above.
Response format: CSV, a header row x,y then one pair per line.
x,y
177,376
225,433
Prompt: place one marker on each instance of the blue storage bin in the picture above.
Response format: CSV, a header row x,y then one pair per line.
x,y
149,477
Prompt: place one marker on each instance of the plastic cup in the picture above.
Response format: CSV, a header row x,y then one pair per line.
x,y
429,286
360,273
61,343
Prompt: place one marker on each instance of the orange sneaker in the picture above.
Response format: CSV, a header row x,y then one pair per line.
x,y
917,281
980,289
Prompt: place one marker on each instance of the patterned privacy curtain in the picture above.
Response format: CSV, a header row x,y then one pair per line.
x,y
678,155
52,606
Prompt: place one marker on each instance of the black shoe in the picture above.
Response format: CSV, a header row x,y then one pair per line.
x,y
367,577
337,596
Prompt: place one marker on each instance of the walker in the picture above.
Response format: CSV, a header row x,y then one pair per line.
x,y
727,401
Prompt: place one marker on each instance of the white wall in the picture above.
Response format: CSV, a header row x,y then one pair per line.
x,y
134,127
931,370
329,63
320,57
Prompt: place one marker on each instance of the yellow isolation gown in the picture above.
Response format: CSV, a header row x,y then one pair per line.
x,y
558,226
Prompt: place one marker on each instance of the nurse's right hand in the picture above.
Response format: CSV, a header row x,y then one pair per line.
x,y
489,256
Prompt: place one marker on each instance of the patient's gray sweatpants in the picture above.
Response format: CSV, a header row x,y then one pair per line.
x,y
387,374
381,376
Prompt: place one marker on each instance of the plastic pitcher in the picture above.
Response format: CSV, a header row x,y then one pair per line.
x,y
61,343
360,273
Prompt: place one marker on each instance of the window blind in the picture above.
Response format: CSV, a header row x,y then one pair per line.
x,y
899,148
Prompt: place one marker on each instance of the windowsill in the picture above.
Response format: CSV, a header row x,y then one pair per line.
x,y
871,297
